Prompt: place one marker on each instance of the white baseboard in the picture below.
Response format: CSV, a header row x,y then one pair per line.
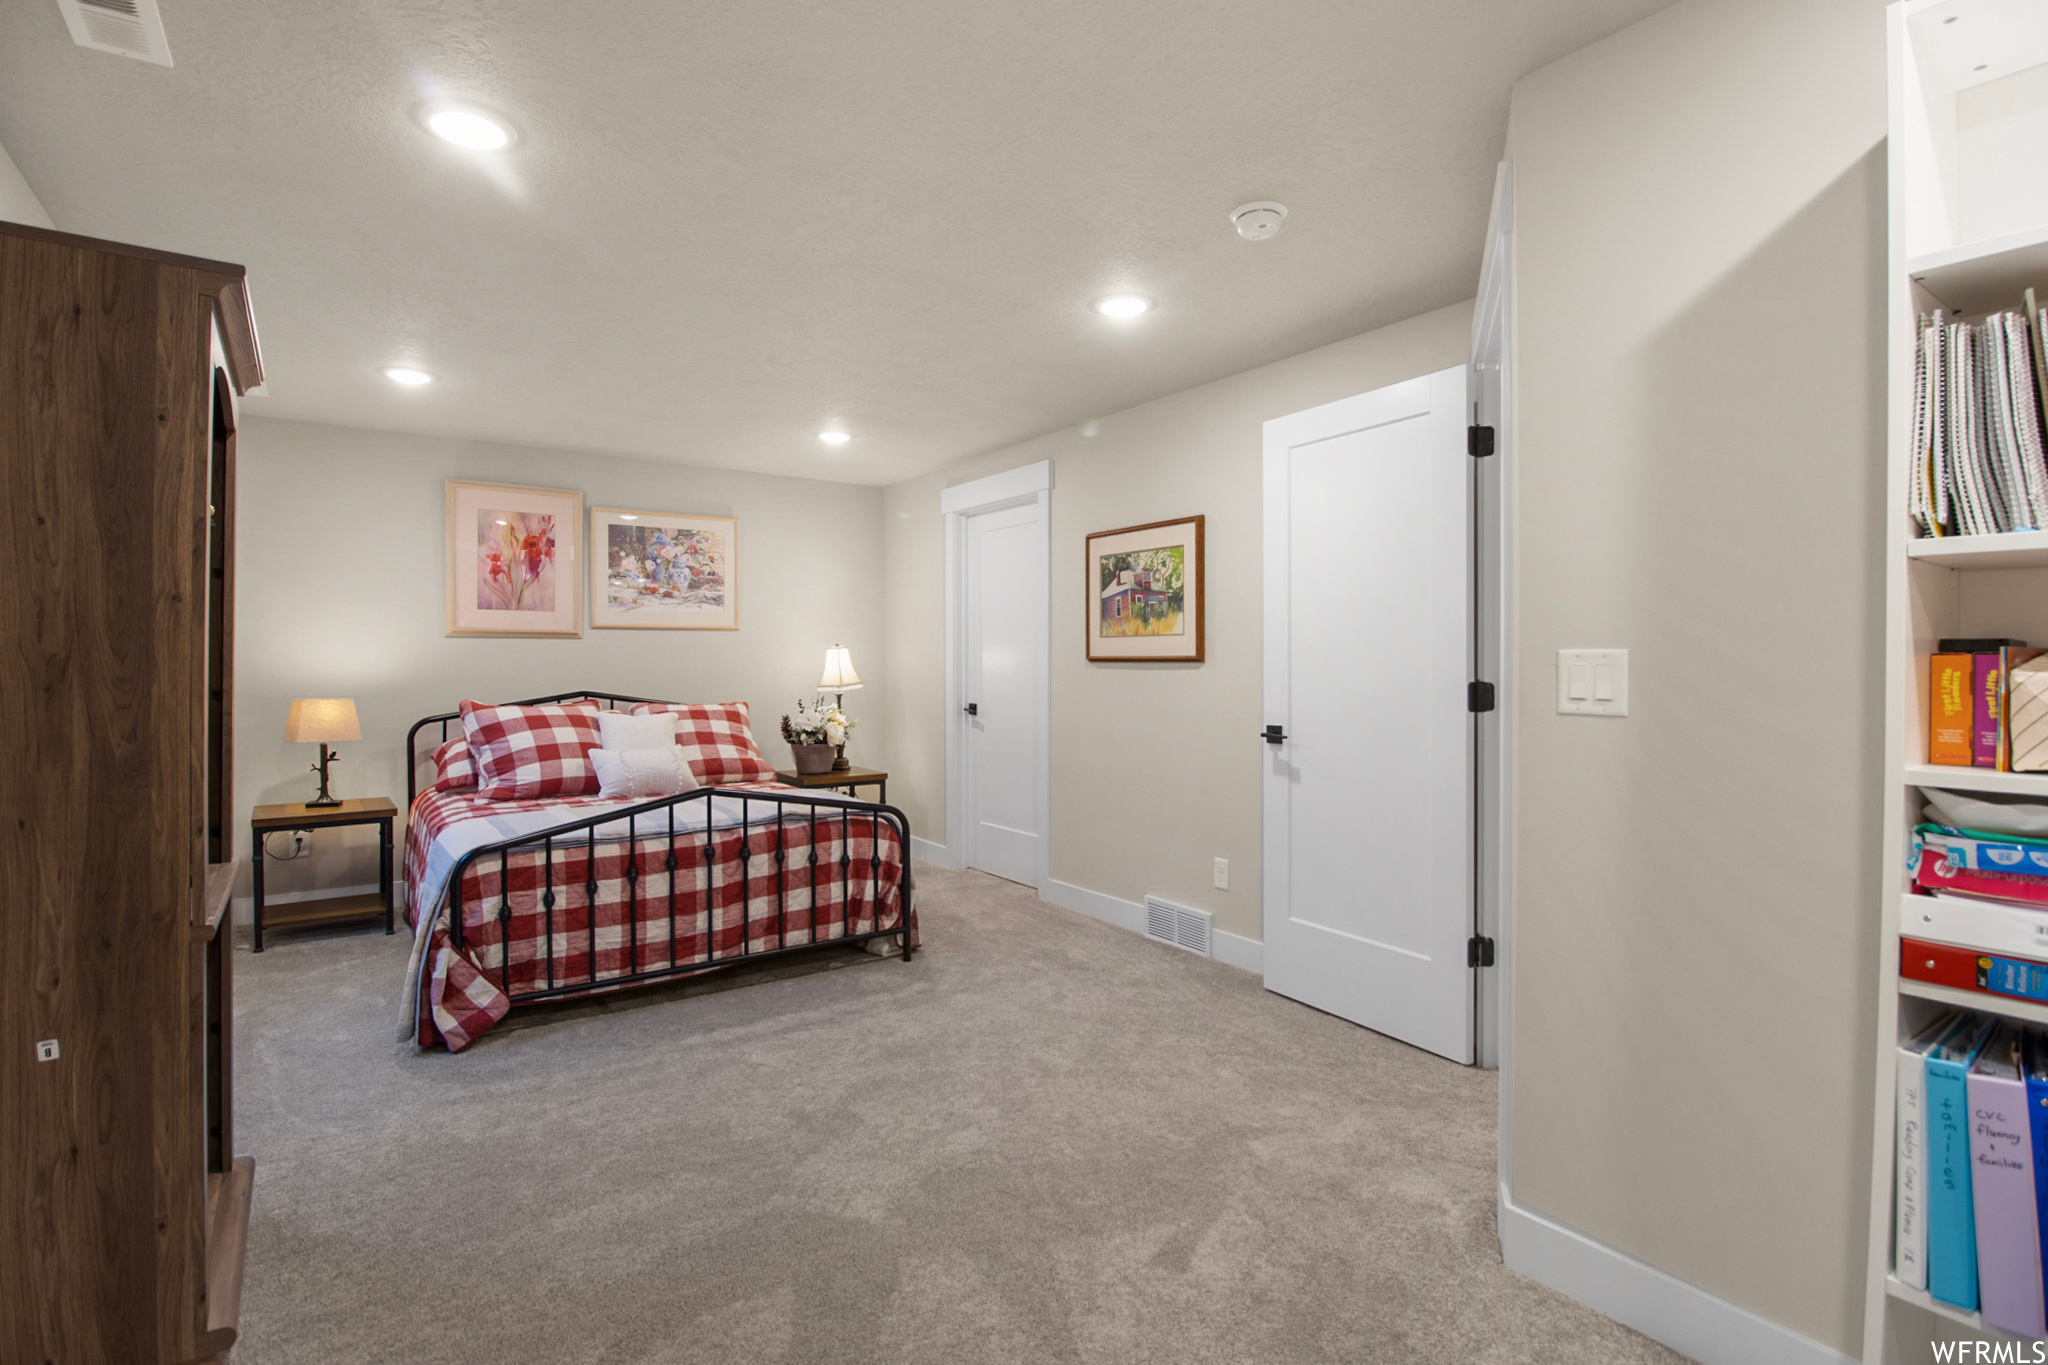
x,y
1246,954
1661,1306
245,906
935,854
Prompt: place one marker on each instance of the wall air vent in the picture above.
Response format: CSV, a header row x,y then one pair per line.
x,y
1178,925
129,28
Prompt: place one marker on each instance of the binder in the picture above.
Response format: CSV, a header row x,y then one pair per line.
x,y
1909,1206
1951,1210
2035,1052
1966,969
2003,1199
1986,926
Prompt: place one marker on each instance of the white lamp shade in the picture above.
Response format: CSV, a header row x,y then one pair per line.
x,y
839,674
321,720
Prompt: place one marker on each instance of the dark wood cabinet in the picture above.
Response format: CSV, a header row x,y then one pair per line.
x,y
123,1211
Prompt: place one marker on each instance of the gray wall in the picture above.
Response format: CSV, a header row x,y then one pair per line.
x,y
340,591
1155,767
1700,248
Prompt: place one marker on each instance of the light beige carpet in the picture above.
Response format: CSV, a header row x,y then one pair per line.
x,y
1044,1140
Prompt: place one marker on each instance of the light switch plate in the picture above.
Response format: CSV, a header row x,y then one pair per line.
x,y
1592,682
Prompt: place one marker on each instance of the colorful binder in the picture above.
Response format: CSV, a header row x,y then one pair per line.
x,y
1951,1210
1968,969
2002,1194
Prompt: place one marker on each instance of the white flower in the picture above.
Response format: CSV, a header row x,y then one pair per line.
x,y
835,732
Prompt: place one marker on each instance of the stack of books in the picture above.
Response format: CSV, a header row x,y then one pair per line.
x,y
1980,391
1969,704
1973,1167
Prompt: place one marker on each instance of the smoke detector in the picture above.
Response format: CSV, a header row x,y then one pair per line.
x,y
1257,221
128,28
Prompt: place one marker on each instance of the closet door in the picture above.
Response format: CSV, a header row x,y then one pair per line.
x,y
1368,652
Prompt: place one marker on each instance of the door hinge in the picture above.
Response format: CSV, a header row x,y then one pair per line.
x,y
1479,696
1478,952
1479,441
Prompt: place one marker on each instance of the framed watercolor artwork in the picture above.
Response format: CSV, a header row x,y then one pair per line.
x,y
663,571
1145,593
512,562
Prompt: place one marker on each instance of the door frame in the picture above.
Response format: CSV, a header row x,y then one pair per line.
x,y
1026,485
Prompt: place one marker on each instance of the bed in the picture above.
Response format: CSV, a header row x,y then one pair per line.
x,y
516,901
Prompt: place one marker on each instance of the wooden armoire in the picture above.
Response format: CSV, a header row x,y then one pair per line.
x,y
123,1212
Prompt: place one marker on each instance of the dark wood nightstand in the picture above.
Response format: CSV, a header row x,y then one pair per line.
x,y
371,810
845,779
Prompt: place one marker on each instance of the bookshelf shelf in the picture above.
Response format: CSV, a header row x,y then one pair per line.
x,y
1976,1000
2013,550
1926,1302
1979,277
1958,779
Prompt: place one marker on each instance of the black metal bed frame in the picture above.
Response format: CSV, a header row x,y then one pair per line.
x,y
546,841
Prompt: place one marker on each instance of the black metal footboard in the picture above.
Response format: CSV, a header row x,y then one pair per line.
x,y
635,877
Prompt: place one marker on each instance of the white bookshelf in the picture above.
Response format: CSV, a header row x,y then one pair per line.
x,y
1969,232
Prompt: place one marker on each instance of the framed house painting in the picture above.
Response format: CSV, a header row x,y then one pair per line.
x,y
663,571
1145,593
512,563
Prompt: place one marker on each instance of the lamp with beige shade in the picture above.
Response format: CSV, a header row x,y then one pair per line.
x,y
322,721
839,679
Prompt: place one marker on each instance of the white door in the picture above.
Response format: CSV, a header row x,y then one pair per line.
x,y
1003,677
1368,798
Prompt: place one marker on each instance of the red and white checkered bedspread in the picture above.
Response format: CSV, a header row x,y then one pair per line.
x,y
644,921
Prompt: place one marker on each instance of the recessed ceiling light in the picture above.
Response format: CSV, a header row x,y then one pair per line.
x,y
629,516
411,378
1122,305
834,438
468,127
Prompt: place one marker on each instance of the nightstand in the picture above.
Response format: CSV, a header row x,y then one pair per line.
x,y
372,810
846,779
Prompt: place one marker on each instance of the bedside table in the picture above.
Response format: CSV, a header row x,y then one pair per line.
x,y
846,779
372,810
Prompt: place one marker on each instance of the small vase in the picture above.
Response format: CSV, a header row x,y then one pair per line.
x,y
812,759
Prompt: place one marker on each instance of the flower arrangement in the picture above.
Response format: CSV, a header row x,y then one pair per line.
x,y
817,725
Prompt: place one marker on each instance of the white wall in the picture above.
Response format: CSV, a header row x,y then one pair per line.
x,y
340,591
1155,767
1700,250
18,203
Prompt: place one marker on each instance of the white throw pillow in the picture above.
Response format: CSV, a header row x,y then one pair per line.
x,y
623,733
642,774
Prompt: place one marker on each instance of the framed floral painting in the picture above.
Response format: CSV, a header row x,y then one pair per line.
x,y
512,562
663,571
1145,593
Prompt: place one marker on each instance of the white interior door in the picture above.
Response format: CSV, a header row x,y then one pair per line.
x,y
1368,799
1003,678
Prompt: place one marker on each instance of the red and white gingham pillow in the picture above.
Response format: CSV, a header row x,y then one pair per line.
x,y
717,740
527,751
454,769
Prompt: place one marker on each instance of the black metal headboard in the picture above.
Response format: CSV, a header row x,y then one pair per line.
x,y
611,701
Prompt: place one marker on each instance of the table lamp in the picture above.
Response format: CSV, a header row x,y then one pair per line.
x,y
839,679
322,721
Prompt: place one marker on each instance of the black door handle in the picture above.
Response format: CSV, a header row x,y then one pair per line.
x,y
1273,734
971,709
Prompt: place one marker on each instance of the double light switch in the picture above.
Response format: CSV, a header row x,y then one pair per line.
x,y
1592,682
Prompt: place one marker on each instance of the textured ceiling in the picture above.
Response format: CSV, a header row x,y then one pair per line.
x,y
728,224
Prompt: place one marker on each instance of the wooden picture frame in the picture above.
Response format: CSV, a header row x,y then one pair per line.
x,y
513,562
663,571
1147,601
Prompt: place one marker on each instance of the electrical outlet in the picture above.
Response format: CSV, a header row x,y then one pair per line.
x,y
1223,874
299,837
46,1051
